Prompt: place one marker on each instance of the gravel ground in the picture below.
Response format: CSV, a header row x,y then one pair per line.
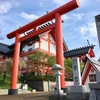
x,y
27,96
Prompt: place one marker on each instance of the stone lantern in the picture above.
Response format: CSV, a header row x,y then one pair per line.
x,y
57,73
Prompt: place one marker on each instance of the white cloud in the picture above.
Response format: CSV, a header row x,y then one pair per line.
x,y
84,2
5,7
41,4
88,29
78,16
66,17
29,16
75,16
60,2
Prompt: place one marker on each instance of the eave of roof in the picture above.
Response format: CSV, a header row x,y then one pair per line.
x,y
11,51
25,42
4,48
95,64
78,51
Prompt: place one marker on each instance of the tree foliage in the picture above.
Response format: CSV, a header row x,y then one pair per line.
x,y
8,64
51,60
21,65
39,58
36,58
68,65
7,67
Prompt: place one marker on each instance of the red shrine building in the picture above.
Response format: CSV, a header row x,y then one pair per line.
x,y
91,66
89,72
44,42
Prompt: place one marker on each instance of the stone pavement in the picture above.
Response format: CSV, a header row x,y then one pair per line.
x,y
27,96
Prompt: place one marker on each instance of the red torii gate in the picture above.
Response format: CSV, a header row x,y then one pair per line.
x,y
55,14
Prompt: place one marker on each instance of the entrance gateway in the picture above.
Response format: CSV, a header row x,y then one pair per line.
x,y
55,14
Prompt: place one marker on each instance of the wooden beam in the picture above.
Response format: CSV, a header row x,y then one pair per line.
x,y
37,32
49,16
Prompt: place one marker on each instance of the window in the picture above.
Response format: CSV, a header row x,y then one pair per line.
x,y
92,77
30,49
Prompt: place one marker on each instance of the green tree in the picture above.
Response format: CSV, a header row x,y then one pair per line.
x,y
36,58
81,67
39,58
7,65
21,65
51,60
68,65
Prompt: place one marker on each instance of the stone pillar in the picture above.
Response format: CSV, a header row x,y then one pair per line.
x,y
77,91
95,88
76,71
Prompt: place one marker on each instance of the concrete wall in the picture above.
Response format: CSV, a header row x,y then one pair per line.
x,y
42,85
3,91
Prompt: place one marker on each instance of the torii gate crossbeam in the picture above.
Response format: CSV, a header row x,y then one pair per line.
x,y
55,14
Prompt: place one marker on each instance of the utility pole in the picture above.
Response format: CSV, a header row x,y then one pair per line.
x,y
97,19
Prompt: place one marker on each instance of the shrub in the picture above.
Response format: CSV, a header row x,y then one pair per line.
x,y
38,78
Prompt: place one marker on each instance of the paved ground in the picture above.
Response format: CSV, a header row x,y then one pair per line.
x,y
27,96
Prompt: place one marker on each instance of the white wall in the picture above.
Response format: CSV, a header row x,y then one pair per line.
x,y
44,45
51,39
88,81
52,48
36,45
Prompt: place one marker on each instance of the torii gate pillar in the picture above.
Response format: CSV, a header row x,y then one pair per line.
x,y
14,78
59,46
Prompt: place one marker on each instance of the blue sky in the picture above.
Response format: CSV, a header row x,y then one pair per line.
x,y
79,24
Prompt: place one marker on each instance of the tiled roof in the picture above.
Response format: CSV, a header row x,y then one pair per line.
x,y
11,51
89,62
65,44
95,63
4,48
25,42
78,51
